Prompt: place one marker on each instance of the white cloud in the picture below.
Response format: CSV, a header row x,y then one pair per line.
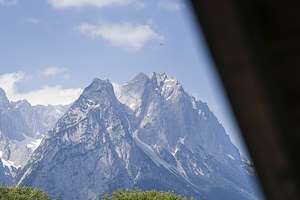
x,y
83,3
45,95
54,71
53,95
140,5
33,20
9,80
8,2
170,5
124,34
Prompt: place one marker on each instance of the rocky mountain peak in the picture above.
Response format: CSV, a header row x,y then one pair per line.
x,y
22,104
142,86
163,78
99,95
141,77
3,98
2,93
167,86
98,89
130,93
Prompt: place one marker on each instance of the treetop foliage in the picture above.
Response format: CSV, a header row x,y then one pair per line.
x,y
23,193
140,195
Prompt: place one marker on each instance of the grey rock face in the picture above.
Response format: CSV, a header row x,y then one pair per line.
x,y
148,133
39,119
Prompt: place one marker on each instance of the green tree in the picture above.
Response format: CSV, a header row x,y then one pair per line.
x,y
140,195
23,193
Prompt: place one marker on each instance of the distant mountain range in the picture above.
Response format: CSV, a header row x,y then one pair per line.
x,y
22,127
148,133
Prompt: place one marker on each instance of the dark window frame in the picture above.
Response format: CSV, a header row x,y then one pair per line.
x,y
255,45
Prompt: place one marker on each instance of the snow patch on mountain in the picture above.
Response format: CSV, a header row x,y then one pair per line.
x,y
230,156
10,164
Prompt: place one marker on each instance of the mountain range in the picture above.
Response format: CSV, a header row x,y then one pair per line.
x,y
148,133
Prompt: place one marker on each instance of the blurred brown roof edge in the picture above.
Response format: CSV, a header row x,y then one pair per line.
x,y
256,47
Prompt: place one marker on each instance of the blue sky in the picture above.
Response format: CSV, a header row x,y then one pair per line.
x,y
51,49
